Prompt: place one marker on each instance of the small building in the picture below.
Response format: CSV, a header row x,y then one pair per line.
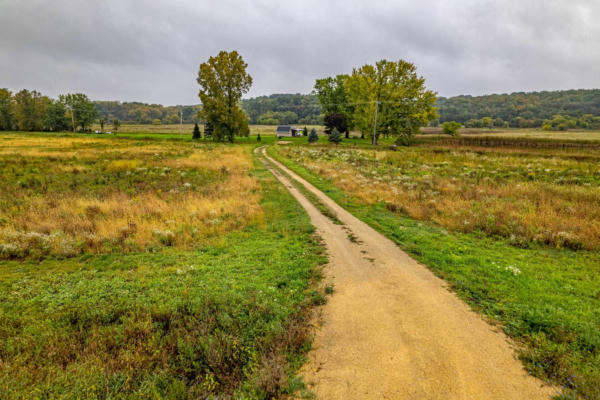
x,y
288,130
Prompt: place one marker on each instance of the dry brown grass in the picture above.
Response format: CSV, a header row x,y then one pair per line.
x,y
524,198
78,195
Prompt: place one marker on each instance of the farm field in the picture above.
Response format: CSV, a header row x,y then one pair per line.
x,y
149,269
513,231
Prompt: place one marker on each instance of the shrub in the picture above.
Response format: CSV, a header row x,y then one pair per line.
x,y
258,139
313,137
451,128
305,131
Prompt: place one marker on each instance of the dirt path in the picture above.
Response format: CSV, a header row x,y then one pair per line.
x,y
391,330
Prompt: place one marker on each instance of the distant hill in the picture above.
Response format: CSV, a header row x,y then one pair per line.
x,y
517,109
533,106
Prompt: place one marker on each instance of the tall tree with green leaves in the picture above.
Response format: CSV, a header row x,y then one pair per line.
x,y
6,110
82,111
223,81
30,110
391,99
56,117
333,95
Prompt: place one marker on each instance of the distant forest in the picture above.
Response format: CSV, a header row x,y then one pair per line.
x,y
515,109
520,109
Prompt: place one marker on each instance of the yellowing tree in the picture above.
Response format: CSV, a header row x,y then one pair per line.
x,y
392,93
223,81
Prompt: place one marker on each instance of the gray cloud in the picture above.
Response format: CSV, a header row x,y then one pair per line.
x,y
150,50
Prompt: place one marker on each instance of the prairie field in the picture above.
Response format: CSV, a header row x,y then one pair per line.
x,y
149,269
67,196
514,231
527,198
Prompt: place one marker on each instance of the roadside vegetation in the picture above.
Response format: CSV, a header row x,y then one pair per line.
x,y
149,269
504,229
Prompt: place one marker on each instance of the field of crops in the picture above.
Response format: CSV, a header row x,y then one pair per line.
x,y
148,269
514,231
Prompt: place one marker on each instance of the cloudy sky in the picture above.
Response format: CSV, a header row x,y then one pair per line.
x,y
149,50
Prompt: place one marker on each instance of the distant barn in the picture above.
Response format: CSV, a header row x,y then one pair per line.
x,y
288,130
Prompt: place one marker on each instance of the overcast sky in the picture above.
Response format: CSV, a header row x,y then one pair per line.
x,y
149,50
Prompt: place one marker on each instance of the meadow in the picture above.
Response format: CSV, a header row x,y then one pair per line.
x,y
514,231
149,269
187,129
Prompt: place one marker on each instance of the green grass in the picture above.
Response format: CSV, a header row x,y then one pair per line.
x,y
229,318
547,299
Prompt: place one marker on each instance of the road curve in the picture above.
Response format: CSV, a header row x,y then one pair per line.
x,y
392,330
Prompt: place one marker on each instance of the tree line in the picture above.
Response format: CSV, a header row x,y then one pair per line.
x,y
31,111
561,110
283,109
142,113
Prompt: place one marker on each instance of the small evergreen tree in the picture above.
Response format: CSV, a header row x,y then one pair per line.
x,y
305,131
208,128
313,137
102,122
335,136
196,134
258,138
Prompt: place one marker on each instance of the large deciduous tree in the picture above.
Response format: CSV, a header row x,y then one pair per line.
x,y
392,93
223,81
56,116
6,110
82,111
334,98
30,110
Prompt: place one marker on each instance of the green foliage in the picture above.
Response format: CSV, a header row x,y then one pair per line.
x,y
521,109
208,129
305,131
451,128
283,109
30,110
196,133
335,99
404,104
223,80
278,118
335,136
313,137
336,121
82,111
56,119
258,139
141,113
6,110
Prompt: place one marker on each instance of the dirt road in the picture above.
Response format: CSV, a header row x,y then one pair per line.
x,y
391,330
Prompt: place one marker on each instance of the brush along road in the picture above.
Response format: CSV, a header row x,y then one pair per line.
x,y
392,330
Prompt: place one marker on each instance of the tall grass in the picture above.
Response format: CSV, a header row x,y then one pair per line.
x,y
65,197
523,197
